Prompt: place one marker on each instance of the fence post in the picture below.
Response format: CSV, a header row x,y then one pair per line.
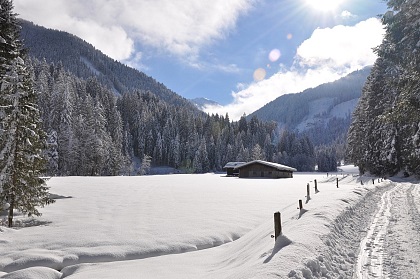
x,y
300,205
277,225
308,191
373,181
316,186
337,182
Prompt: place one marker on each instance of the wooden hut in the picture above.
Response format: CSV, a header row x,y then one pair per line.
x,y
260,168
230,168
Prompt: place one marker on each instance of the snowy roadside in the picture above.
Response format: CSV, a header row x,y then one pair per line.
x,y
402,241
390,247
339,254
379,237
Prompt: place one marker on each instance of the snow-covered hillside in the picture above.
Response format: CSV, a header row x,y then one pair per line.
x,y
201,103
322,113
323,110
212,226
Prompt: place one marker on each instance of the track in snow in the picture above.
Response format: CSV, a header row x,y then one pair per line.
x,y
403,237
370,259
391,248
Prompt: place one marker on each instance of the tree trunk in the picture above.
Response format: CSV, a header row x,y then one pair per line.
x,y
11,207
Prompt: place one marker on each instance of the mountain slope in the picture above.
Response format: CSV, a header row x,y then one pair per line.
x,y
316,109
201,103
83,60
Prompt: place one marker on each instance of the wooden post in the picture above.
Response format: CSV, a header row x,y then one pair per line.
x,y
277,225
327,174
373,181
308,191
300,205
361,182
316,186
379,181
337,182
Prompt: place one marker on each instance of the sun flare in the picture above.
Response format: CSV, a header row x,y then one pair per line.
x,y
324,5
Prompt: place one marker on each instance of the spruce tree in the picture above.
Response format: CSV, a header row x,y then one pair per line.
x,y
145,165
22,139
383,136
257,153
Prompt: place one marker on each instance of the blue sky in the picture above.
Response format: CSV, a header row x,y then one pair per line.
x,y
240,53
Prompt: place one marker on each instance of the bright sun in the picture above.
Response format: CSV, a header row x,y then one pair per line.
x,y
324,5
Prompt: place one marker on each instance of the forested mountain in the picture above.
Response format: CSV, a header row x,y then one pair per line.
x,y
91,131
84,61
103,118
384,137
322,113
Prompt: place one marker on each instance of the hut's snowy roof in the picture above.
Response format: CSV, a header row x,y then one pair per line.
x,y
233,164
270,164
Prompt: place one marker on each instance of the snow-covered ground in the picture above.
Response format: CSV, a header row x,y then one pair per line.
x,y
211,226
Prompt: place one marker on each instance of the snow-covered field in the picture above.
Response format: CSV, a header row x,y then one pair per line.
x,y
211,226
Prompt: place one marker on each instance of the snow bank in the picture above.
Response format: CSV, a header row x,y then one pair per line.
x,y
154,220
34,273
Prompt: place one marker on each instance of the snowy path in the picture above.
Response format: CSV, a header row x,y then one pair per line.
x,y
370,259
403,237
394,229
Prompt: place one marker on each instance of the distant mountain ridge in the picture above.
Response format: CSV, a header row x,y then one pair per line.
x,y
84,61
315,110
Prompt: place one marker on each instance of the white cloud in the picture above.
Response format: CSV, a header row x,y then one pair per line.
x,y
347,15
326,56
112,40
178,28
342,46
231,68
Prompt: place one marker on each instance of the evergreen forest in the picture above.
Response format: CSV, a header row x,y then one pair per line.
x,y
384,136
92,131
104,118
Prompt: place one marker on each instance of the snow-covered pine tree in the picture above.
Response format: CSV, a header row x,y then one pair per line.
x,y
257,153
211,150
197,164
145,165
176,151
201,162
382,136
326,159
52,152
22,139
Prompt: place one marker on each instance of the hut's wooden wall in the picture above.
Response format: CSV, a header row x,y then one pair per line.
x,y
232,171
260,170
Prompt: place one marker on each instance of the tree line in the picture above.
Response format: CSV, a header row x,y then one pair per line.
x,y
92,131
384,136
59,49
